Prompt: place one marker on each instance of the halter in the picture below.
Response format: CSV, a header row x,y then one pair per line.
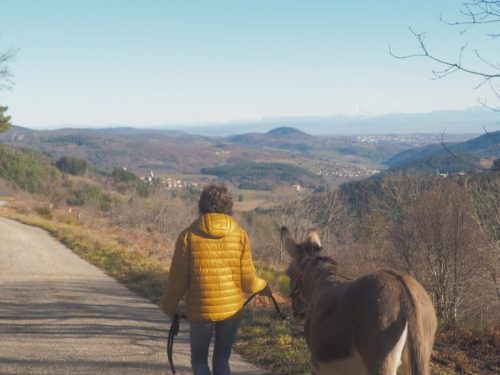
x,y
297,292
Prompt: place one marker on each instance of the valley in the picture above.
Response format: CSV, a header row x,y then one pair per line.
x,y
255,164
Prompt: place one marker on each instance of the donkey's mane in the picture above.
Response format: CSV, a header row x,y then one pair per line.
x,y
309,248
323,265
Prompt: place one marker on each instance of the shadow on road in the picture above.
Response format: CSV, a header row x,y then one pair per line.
x,y
80,326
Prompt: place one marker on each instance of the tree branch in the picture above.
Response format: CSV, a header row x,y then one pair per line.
x,y
6,56
451,67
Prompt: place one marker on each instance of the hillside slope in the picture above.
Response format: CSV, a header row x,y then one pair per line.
x,y
436,156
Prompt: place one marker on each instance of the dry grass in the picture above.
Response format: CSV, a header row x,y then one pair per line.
x,y
463,351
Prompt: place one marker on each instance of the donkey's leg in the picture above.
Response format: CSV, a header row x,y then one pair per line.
x,y
389,365
405,358
395,357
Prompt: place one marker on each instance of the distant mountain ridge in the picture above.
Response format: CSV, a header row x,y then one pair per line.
x,y
468,121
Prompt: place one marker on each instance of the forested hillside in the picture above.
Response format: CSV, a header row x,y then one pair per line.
x,y
449,158
27,169
262,176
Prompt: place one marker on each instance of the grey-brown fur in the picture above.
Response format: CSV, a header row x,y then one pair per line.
x,y
363,318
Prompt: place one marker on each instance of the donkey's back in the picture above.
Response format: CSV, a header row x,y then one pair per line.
x,y
371,325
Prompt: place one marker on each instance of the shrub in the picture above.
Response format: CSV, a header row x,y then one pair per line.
x,y
90,194
76,198
496,165
122,175
73,166
44,212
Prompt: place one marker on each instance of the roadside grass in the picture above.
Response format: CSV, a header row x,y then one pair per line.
x,y
268,341
271,343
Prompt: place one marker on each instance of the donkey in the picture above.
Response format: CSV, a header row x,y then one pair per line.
x,y
367,326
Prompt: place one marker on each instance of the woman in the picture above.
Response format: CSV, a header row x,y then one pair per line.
x,y
213,263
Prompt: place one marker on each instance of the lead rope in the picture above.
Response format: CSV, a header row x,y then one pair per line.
x,y
174,328
279,313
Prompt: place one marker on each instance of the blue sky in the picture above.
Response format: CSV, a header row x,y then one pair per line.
x,y
154,63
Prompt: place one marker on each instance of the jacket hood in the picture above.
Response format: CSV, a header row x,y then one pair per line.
x,y
214,225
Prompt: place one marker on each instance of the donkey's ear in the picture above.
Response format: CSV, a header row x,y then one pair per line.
x,y
313,239
289,242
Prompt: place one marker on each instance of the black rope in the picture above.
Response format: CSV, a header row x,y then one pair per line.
x,y
279,313
174,330
174,327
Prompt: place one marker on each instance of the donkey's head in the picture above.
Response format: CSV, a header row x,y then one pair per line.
x,y
310,246
300,253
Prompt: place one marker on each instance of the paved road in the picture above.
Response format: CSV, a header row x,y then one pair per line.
x,y
60,315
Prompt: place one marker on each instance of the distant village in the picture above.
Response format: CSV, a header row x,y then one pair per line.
x,y
169,182
173,183
345,171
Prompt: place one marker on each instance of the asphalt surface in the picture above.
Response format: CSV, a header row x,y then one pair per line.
x,y
60,315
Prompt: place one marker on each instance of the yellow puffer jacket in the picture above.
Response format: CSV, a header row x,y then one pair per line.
x,y
213,263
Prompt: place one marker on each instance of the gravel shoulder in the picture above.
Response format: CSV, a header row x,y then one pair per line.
x,y
60,315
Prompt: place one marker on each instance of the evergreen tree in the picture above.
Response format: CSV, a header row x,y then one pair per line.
x,y
4,120
71,165
496,165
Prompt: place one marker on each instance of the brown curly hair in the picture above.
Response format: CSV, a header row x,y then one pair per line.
x,y
216,199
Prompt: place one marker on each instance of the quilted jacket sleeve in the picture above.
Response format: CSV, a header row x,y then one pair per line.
x,y
250,283
178,276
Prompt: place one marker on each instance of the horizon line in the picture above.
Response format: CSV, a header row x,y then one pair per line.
x,y
202,124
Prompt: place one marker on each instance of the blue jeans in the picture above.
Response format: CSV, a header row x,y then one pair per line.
x,y
201,334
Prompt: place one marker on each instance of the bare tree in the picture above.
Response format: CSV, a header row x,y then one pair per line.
x,y
399,194
328,213
475,13
292,215
162,213
485,193
442,251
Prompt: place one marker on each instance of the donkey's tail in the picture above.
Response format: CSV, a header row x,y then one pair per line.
x,y
421,322
416,357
